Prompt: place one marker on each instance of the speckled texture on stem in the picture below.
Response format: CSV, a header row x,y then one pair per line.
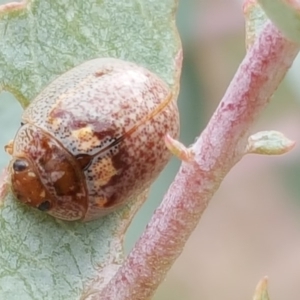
x,y
219,148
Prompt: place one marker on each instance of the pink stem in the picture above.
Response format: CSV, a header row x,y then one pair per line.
x,y
220,146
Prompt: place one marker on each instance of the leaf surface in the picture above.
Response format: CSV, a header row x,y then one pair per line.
x,y
40,257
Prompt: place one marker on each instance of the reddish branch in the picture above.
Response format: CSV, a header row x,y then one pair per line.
x,y
218,149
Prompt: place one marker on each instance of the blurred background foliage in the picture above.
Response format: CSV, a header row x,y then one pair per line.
x,y
252,225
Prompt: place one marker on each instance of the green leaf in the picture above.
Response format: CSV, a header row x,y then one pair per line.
x,y
40,257
43,39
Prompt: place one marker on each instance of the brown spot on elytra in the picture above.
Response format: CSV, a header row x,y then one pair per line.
x,y
102,72
64,175
77,124
103,129
57,113
97,128
120,165
99,73
84,160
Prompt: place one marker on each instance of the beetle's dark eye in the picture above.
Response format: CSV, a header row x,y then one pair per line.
x,y
44,206
20,165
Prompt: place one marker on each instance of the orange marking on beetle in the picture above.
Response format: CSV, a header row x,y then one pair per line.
x,y
31,174
55,122
43,194
86,137
9,147
101,202
105,170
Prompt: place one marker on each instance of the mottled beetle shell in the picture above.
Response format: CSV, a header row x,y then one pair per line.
x,y
93,139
